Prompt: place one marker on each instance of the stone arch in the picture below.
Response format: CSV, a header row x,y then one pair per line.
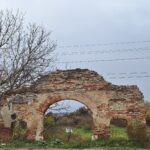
x,y
41,109
103,98
54,99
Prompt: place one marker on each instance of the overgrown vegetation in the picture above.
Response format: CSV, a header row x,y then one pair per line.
x,y
132,137
138,132
147,109
80,122
118,140
19,129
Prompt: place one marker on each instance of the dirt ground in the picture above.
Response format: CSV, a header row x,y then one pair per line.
x,y
72,149
50,149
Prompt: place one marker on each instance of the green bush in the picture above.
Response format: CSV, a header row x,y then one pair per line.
x,y
56,142
49,121
138,133
65,120
19,130
148,117
54,132
41,143
82,111
86,123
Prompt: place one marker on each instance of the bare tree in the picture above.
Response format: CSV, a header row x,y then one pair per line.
x,y
57,107
25,52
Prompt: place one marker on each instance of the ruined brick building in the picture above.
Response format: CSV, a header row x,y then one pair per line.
x,y
105,100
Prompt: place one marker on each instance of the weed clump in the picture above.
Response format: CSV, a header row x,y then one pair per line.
x,y
19,129
138,133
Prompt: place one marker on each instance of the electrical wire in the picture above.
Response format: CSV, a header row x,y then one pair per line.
x,y
103,60
103,44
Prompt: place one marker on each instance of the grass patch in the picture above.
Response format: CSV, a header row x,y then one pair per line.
x,y
85,134
118,133
59,144
81,138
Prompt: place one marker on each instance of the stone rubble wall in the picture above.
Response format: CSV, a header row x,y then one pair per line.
x,y
105,100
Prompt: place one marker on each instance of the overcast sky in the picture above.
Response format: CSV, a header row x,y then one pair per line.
x,y
89,30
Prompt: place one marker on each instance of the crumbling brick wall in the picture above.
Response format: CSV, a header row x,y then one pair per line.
x,y
105,100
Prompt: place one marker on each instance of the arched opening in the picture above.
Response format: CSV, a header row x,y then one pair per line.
x,y
118,128
119,122
68,121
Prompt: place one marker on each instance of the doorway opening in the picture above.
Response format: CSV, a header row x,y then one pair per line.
x,y
118,128
68,121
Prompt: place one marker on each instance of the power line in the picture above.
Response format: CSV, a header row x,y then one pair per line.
x,y
103,44
89,52
126,73
123,75
129,77
103,60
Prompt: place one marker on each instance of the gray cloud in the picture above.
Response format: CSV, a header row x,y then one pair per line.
x,y
95,21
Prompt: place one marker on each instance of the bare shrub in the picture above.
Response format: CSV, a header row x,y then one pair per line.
x,y
138,133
